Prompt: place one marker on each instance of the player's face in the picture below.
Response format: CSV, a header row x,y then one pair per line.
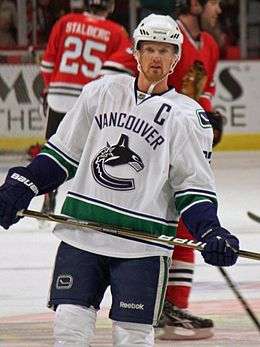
x,y
111,6
156,59
211,12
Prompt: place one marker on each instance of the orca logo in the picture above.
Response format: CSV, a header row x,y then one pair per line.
x,y
118,154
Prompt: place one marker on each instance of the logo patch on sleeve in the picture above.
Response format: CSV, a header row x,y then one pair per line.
x,y
203,119
64,282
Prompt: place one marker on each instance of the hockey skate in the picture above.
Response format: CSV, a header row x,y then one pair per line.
x,y
179,324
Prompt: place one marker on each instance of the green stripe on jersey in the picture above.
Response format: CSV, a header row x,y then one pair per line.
x,y
186,200
66,164
82,210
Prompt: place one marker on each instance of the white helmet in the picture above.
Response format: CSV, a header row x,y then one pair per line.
x,y
158,28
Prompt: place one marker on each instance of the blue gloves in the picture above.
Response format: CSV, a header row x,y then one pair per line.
x,y
42,175
221,248
15,194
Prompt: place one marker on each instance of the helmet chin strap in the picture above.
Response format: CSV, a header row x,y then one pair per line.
x,y
154,83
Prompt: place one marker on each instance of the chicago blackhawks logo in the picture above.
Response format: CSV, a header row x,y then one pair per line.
x,y
118,154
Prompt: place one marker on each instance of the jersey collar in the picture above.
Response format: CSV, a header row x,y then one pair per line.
x,y
140,97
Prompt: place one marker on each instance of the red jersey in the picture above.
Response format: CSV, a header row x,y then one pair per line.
x,y
121,61
77,48
206,53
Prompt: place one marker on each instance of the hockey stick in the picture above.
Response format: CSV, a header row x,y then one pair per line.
x,y
253,216
233,287
124,232
240,298
235,290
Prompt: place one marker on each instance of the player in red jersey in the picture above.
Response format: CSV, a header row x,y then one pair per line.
x,y
77,48
79,44
193,76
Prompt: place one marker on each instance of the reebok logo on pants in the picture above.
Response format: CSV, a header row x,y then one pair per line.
x,y
131,305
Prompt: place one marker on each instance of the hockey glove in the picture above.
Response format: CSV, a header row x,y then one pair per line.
x,y
216,121
15,194
221,247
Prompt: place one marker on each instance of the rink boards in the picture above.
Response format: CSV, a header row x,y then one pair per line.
x,y
237,87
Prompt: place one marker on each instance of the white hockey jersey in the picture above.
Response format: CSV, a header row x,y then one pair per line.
x,y
137,162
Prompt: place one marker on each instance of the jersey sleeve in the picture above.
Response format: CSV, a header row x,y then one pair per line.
x,y
121,61
50,53
191,176
209,91
67,144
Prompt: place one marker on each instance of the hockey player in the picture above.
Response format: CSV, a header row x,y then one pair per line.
x,y
138,155
193,76
79,44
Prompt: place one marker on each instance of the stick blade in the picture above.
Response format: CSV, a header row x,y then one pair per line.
x,y
253,216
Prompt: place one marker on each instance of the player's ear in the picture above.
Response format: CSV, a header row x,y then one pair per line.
x,y
136,55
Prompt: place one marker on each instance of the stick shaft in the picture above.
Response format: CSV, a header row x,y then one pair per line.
x,y
240,298
114,230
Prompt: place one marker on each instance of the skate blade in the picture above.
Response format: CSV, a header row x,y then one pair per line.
x,y
181,334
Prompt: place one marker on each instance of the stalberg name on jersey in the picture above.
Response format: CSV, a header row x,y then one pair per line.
x,y
88,30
